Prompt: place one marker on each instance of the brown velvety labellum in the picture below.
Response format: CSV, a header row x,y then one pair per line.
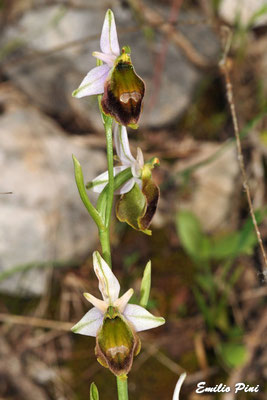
x,y
116,343
123,94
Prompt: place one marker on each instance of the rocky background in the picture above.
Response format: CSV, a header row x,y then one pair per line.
x,y
207,267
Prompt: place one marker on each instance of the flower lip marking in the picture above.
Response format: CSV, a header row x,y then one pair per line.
x,y
125,97
113,351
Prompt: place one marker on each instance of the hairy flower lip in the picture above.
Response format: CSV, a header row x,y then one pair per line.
x,y
116,343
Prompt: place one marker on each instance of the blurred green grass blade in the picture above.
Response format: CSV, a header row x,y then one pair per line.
x,y
204,308
145,285
34,265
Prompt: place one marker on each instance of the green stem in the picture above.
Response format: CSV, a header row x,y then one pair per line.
x,y
122,387
108,129
105,244
104,234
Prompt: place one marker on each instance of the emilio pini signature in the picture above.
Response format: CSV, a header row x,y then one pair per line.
x,y
222,388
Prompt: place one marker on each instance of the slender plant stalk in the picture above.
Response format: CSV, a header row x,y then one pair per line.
x,y
104,234
122,387
105,244
224,65
108,128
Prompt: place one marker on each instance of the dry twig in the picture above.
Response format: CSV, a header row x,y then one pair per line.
x,y
37,322
224,66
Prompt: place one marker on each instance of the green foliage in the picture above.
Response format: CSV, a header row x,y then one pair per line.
x,y
232,354
93,392
195,243
202,247
84,197
212,291
259,13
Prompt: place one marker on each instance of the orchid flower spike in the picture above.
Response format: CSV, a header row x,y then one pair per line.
x,y
178,386
127,161
123,90
114,322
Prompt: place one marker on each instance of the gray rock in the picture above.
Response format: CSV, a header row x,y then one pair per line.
x,y
214,184
243,11
49,81
44,219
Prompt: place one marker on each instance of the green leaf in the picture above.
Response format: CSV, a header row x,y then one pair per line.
x,y
234,244
193,239
145,285
225,246
93,392
233,354
82,191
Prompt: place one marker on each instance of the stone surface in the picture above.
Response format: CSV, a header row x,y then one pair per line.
x,y
214,184
44,219
50,80
244,11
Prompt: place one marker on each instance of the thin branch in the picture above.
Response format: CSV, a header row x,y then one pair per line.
x,y
35,322
224,66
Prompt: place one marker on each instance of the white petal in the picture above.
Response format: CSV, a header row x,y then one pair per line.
x,y
99,304
141,318
89,324
178,387
108,283
138,164
109,40
140,157
93,83
107,58
122,145
126,187
123,300
101,180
